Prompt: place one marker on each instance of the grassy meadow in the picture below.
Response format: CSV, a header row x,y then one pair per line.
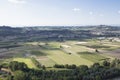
x,y
27,61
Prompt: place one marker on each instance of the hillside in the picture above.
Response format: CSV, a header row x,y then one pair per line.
x,y
45,49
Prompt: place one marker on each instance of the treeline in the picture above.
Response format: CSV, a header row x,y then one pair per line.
x,y
65,66
107,70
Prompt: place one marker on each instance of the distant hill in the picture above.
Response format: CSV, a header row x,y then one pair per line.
x,y
58,32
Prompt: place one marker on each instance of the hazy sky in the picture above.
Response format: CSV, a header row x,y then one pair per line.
x,y
59,12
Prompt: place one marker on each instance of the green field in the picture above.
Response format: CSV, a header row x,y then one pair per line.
x,y
68,52
26,61
94,57
63,58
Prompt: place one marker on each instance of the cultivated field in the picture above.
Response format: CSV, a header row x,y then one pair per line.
x,y
49,53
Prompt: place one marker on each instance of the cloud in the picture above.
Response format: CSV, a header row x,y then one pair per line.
x,y
119,11
91,13
76,9
17,1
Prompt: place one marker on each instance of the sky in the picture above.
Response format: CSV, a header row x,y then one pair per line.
x,y
59,12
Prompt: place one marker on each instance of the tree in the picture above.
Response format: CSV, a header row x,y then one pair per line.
x,y
106,63
9,77
43,67
98,77
14,65
0,67
96,65
20,75
96,50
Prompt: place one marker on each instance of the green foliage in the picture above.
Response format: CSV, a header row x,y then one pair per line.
x,y
83,72
115,63
13,66
65,66
27,61
96,50
98,77
106,63
20,75
43,67
4,65
9,77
